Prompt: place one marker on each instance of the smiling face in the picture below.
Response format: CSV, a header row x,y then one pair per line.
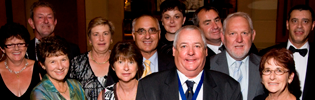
x,y
172,20
147,42
16,53
190,52
210,23
100,38
276,83
238,37
56,67
299,25
43,22
125,69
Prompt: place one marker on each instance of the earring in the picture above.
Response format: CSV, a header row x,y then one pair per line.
x,y
2,56
27,55
111,41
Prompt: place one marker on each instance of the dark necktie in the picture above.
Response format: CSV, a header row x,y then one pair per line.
x,y
190,92
301,51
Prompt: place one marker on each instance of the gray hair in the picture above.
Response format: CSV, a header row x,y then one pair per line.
x,y
190,27
134,22
238,14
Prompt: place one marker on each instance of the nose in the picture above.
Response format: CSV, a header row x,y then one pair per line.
x,y
16,47
272,76
300,24
172,20
126,67
46,20
101,37
147,35
214,25
239,38
191,51
60,65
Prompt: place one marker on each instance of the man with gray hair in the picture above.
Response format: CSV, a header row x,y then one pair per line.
x,y
146,34
237,36
189,80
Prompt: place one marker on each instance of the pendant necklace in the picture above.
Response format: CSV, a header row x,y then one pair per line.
x,y
15,72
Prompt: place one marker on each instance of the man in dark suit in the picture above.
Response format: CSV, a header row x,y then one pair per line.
x,y
146,34
236,60
300,23
43,22
189,51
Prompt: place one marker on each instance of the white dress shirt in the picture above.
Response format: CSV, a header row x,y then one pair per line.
x,y
183,79
214,48
300,63
245,73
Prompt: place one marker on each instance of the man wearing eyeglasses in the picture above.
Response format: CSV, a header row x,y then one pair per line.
x,y
300,23
146,34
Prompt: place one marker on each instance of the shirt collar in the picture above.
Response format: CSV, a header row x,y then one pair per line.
x,y
50,86
230,60
152,59
183,78
305,46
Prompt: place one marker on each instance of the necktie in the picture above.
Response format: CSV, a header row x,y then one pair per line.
x,y
147,70
237,71
301,51
190,92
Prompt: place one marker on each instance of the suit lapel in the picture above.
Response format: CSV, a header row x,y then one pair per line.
x,y
221,62
209,87
309,78
253,76
31,50
171,86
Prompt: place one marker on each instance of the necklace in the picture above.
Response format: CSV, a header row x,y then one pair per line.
x,y
134,96
96,61
15,72
64,91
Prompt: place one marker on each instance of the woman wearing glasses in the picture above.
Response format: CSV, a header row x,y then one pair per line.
x,y
277,70
18,74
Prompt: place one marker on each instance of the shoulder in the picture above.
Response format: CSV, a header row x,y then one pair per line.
x,y
220,77
80,58
156,78
264,51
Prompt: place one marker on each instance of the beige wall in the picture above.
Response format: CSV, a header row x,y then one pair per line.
x,y
264,15
112,10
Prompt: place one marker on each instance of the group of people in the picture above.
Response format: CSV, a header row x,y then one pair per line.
x,y
207,60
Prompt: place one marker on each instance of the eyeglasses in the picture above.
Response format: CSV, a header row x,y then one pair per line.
x,y
142,31
277,71
13,45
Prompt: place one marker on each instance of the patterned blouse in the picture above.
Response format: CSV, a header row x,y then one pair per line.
x,y
109,93
81,70
47,91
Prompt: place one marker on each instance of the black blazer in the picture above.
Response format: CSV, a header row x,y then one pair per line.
x,y
165,61
164,86
309,86
73,49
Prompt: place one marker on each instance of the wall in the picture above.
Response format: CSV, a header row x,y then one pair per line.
x,y
112,10
264,15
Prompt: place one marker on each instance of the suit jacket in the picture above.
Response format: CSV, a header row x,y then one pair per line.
x,y
164,86
165,62
255,88
210,53
74,49
309,86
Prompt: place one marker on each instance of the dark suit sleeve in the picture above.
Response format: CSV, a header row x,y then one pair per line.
x,y
140,92
237,94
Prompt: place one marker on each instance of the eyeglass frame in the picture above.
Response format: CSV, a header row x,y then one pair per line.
x,y
150,31
274,71
15,44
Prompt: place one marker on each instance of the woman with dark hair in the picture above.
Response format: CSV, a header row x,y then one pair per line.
x,y
277,70
173,17
18,74
53,57
126,61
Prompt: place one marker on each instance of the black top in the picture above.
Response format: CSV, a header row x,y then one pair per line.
x,y
165,46
26,96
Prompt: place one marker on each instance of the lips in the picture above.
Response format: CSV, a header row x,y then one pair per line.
x,y
190,60
299,32
147,42
59,72
273,83
101,43
239,46
125,74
